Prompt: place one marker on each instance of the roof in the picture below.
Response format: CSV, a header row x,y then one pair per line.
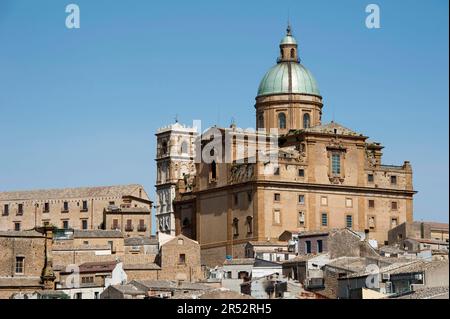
x,y
222,293
313,233
239,261
332,128
21,233
79,192
268,243
404,267
169,285
418,266
94,267
98,233
6,282
427,293
265,263
140,241
302,258
428,241
128,289
119,210
437,225
146,266
350,264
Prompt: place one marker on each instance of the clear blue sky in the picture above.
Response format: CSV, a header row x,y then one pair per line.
x,y
80,107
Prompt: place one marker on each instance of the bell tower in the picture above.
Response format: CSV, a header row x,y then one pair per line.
x,y
174,161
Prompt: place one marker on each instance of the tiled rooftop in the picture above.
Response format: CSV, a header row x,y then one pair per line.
x,y
79,192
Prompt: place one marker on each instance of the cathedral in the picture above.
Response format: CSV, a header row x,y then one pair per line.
x,y
325,176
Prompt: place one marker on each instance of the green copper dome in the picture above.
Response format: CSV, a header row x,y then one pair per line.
x,y
288,77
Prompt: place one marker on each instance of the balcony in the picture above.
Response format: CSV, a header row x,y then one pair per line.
x,y
129,228
142,228
115,227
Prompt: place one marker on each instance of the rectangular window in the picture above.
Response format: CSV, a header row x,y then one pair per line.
x,y
65,224
394,205
319,246
182,259
20,209
142,225
371,203
85,242
276,171
349,221
65,207
115,224
370,178
84,224
84,206
301,219
236,199
276,197
394,222
129,225
20,264
336,164
308,246
17,226
79,295
301,199
87,280
348,202
46,207
393,180
371,222
112,203
276,217
301,172
6,210
324,201
324,219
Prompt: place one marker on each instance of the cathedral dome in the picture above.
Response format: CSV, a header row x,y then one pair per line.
x,y
288,75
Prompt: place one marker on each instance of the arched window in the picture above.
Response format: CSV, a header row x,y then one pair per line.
x,y
292,53
306,120
164,148
213,170
249,224
236,227
184,148
282,121
261,121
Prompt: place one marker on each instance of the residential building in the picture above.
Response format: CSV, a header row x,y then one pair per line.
x,y
77,208
89,280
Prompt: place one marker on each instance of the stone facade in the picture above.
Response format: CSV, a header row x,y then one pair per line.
x,y
180,260
174,162
325,176
418,230
78,208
